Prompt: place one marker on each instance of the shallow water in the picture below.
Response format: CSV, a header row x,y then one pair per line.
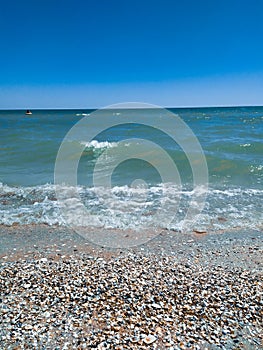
x,y
231,139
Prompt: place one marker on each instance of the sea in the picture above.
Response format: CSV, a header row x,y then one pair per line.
x,y
130,174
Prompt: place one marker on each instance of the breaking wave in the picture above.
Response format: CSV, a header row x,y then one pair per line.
x,y
125,207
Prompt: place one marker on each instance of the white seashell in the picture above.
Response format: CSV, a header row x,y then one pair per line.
x,y
149,339
156,306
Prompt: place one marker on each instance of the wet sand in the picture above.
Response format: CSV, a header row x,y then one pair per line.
x,y
232,248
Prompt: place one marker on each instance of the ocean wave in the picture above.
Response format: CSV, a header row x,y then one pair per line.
x,y
82,114
125,207
94,144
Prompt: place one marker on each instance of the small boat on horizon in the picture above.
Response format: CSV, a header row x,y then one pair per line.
x,y
28,112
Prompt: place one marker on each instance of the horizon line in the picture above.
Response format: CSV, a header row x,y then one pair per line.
x,y
96,108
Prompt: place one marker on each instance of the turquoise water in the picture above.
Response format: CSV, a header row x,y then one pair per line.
x,y
231,139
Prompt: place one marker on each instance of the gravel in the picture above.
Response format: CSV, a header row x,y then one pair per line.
x,y
176,292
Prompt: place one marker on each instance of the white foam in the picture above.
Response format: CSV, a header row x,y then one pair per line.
x,y
126,207
82,114
99,145
254,168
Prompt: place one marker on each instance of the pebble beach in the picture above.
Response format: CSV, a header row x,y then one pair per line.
x,y
131,172
178,291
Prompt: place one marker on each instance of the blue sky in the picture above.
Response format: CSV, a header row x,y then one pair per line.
x,y
77,53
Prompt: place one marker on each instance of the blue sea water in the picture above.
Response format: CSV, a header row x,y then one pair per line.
x,y
231,139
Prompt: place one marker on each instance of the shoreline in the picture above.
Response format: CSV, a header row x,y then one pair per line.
x,y
242,247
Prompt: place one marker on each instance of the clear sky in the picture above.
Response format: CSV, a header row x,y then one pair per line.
x,y
77,53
